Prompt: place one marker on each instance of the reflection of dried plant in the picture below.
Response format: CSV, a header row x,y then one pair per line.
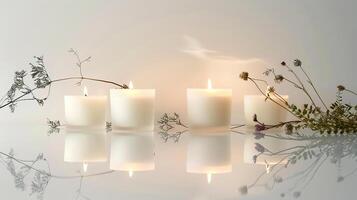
x,y
21,91
54,126
25,169
108,126
40,178
339,118
168,123
314,150
171,127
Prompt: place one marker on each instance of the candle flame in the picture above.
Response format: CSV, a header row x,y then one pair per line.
x,y
209,178
209,84
85,91
85,167
131,86
131,173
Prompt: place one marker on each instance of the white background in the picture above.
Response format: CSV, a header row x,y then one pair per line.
x,y
156,45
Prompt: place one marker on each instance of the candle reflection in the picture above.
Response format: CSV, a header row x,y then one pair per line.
x,y
132,152
85,146
209,154
209,84
85,167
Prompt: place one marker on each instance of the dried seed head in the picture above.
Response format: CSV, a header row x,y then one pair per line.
x,y
341,88
289,129
297,63
270,89
255,118
244,75
279,78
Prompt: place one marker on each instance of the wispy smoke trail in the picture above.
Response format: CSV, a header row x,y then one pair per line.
x,y
194,48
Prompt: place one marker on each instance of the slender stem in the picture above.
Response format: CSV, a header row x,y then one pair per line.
x,y
91,79
314,173
350,91
293,83
51,175
63,79
282,124
313,86
284,150
261,80
278,96
264,173
301,84
17,98
234,126
261,91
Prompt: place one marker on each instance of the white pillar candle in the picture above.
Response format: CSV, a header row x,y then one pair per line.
x,y
132,152
267,111
81,111
209,154
209,109
132,109
272,144
85,146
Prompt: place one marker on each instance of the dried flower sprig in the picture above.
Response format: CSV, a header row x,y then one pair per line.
x,y
338,118
172,127
21,91
55,126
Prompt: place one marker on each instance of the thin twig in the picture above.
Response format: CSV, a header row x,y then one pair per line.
x,y
301,84
261,91
350,91
313,86
123,86
51,175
